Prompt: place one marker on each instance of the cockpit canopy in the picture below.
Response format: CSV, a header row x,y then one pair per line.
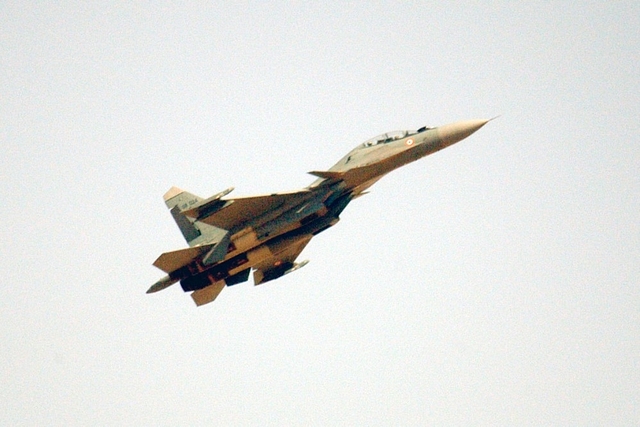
x,y
385,138
388,137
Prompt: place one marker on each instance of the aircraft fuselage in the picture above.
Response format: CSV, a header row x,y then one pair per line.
x,y
229,237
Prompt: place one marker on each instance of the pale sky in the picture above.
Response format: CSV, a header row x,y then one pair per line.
x,y
496,282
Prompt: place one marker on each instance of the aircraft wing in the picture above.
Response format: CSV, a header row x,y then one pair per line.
x,y
171,261
231,213
280,263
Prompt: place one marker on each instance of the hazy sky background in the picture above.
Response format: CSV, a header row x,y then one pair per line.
x,y
496,282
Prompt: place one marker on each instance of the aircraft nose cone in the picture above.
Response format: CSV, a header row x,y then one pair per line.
x,y
454,132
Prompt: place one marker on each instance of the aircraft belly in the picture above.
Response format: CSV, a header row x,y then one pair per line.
x,y
258,254
365,185
245,241
290,218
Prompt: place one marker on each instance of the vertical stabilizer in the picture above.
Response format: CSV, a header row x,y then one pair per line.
x,y
194,232
182,199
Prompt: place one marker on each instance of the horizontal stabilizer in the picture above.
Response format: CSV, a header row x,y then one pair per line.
x,y
328,174
171,261
208,294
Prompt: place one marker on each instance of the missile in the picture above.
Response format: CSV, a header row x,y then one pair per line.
x,y
209,206
222,193
297,266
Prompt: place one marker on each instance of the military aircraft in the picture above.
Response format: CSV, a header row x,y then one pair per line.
x,y
229,237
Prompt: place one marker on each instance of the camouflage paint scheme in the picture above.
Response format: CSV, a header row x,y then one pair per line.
x,y
229,237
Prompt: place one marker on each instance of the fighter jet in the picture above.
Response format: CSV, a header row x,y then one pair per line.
x,y
229,237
